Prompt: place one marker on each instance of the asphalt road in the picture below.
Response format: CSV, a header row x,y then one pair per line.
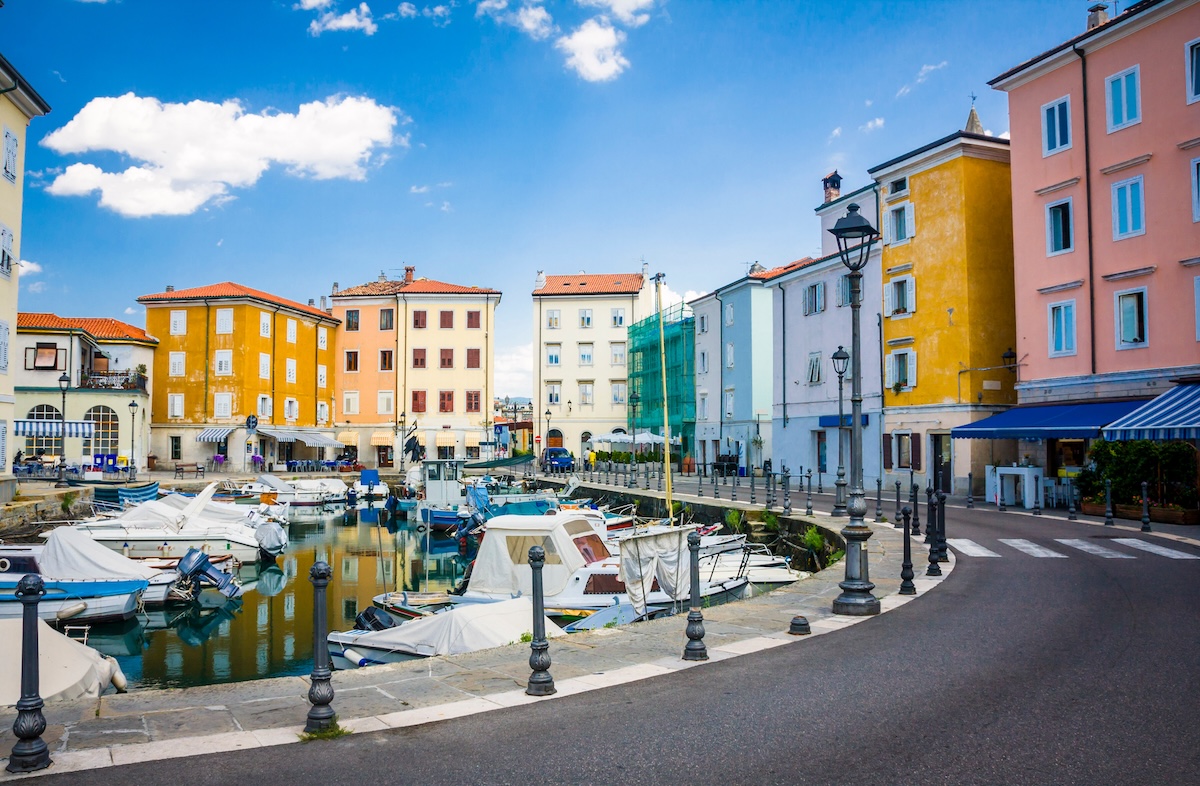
x,y
1017,670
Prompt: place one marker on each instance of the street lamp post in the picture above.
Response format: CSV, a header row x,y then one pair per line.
x,y
64,382
402,424
546,444
634,400
855,236
841,360
133,408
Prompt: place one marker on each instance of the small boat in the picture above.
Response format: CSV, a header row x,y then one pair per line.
x,y
369,486
300,491
104,600
69,670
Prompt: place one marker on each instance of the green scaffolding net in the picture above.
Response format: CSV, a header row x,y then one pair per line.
x,y
645,375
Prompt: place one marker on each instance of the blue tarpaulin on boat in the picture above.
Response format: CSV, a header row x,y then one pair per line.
x,y
1049,421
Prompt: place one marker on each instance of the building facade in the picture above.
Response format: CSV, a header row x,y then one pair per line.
x,y
580,325
240,374
18,106
415,361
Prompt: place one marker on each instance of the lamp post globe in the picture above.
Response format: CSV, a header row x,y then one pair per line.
x,y
855,236
841,360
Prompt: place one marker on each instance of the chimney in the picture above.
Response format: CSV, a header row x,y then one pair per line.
x,y
170,288
382,276
312,303
540,281
335,288
322,302
833,186
409,270
645,270
1097,15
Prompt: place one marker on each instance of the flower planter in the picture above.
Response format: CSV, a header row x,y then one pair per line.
x,y
1134,513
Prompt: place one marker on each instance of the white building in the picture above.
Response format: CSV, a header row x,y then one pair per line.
x,y
580,343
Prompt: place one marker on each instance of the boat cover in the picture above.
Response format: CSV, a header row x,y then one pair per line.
x,y
66,668
661,555
70,553
274,482
502,565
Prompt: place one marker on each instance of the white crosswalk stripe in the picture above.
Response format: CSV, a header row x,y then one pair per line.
x,y
970,548
1094,549
1154,548
1031,548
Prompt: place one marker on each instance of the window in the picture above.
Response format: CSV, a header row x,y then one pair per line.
x,y
900,297
291,409
446,358
703,406
174,405
1129,218
105,431
45,356
322,412
264,365
1124,99
387,319
473,358
350,402
586,393
843,290
728,313
704,323
728,403
901,369
553,352
552,319
1192,50
618,317
1196,287
617,353
418,356
178,323
418,401
473,401
10,155
322,338
352,360
814,298
48,444
703,362
1062,329
175,367
1060,228
903,450
224,321
264,324
585,354
553,393
898,186
322,376
290,370
446,320
618,392
729,354
473,320
1196,189
264,406
585,317
1056,126
418,320
386,360
900,224
222,405
291,331
7,257
814,368
1131,319
224,362
445,401
176,448
352,319
385,402
822,450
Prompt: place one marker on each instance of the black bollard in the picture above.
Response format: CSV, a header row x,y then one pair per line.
x,y
660,474
906,567
1037,502
320,691
31,753
733,488
1145,506
753,501
916,523
716,488
879,499
943,556
934,569
1108,514
1071,513
897,500
787,492
820,488
930,516
808,503
799,626
970,487
540,681
1000,506
695,649
699,480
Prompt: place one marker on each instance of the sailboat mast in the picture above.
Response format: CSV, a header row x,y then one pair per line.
x,y
662,356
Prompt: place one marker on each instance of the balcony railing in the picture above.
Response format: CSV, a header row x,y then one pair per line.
x,y
113,380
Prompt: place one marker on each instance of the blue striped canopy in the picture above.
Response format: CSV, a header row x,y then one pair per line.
x,y
53,428
1173,415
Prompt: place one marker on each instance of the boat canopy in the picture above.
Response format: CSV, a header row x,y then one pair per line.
x,y
70,553
502,565
276,483
661,555
66,669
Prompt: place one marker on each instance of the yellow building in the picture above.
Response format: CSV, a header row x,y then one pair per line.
x,y
19,103
228,353
948,309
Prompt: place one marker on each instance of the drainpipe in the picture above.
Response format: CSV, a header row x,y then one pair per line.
x,y
783,342
207,329
1087,190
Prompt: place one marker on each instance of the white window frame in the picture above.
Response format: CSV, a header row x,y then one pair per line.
x,y
264,324
5,335
385,402
910,223
223,363
223,405
910,367
322,338
1145,342
587,353
7,257
1189,70
265,405
224,321
291,409
843,290
728,313
814,298
350,402
11,144
174,405
554,354
703,406
900,191
618,317
178,322
177,364
1046,149
815,375
264,365
291,331
1070,205
289,370
587,393
1116,187
585,317
1050,325
729,354
703,362
910,297
1108,104
617,353
322,375
729,403
704,323
620,391
1195,173
553,393
553,319
322,412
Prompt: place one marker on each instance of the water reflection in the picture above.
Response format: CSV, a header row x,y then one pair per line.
x,y
268,631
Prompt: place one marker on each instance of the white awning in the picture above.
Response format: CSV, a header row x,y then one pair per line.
x,y
279,435
53,428
215,434
315,439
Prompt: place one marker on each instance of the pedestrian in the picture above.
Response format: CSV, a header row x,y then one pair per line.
x,y
591,460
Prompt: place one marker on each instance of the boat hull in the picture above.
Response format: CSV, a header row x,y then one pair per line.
x,y
141,543
102,601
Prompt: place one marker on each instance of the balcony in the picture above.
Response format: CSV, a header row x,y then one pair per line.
x,y
113,380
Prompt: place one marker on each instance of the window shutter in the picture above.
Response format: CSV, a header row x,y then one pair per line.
x,y
912,369
887,451
887,227
3,352
890,371
910,222
911,288
806,302
820,296
915,441
888,307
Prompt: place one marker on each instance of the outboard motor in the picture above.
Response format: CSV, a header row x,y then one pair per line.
x,y
373,618
195,565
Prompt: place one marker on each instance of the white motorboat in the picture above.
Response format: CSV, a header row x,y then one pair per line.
x,y
369,486
69,670
70,554
299,491
77,599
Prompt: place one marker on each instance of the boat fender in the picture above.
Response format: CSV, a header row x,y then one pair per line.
x,y
119,681
4,565
67,612
355,658
421,529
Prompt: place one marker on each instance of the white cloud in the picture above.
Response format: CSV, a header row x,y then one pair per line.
x,y
592,50
191,154
868,103
834,134
628,12
903,91
407,10
36,287
531,18
29,268
354,19
1006,135
922,75
220,242
872,125
514,371
446,208
490,7
131,310
670,297
446,184
311,5
418,189
440,14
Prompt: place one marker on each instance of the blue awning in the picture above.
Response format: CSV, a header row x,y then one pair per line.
x,y
53,428
1173,415
1048,421
831,421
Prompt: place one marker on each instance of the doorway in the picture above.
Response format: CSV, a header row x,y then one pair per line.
x,y
943,462
383,456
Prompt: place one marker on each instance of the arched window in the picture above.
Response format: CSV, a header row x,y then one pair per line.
x,y
105,432
52,445
583,440
554,439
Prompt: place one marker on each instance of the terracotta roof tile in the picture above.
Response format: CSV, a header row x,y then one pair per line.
x,y
102,328
420,286
775,272
228,289
592,284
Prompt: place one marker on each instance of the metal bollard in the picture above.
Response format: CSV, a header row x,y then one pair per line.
x,y
787,492
695,649
660,474
733,488
753,501
799,626
31,753
1071,514
646,475
716,488
898,512
1000,506
699,480
934,569
820,488
906,567
930,514
1145,506
808,502
540,681
916,524
1108,513
970,486
1037,502
320,692
943,556
879,499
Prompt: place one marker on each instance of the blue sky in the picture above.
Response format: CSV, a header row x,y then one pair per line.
x,y
289,145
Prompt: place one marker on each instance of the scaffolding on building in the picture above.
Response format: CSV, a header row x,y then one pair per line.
x,y
645,375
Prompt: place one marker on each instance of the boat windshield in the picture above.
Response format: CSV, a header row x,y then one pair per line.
x,y
591,547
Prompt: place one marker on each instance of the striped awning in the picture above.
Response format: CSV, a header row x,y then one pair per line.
x,y
1173,415
446,439
348,437
472,438
53,428
382,439
277,434
215,434
315,439
420,435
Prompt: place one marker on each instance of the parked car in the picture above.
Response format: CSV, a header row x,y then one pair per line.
x,y
559,459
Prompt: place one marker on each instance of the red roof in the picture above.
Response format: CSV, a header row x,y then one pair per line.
x,y
102,328
420,286
775,272
592,284
228,289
